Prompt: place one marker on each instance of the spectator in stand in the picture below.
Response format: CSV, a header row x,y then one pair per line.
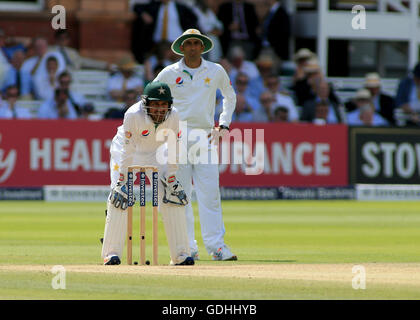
x,y
46,82
321,112
408,96
266,66
241,86
383,103
272,83
11,46
130,98
281,114
369,118
265,112
74,61
4,61
211,26
36,65
157,21
18,77
88,112
76,100
243,112
9,108
322,93
239,64
277,29
301,58
162,56
365,114
306,88
240,25
57,108
125,79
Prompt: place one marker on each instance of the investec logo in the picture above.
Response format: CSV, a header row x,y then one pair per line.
x,y
142,188
155,189
130,188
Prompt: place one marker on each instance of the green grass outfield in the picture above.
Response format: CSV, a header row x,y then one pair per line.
x,y
286,250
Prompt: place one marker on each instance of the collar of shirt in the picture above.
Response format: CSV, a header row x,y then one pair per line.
x,y
180,67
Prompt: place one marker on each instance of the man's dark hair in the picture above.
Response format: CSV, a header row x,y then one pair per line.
x,y
280,109
60,32
52,58
64,74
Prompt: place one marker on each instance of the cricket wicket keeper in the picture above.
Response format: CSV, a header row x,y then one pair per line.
x,y
136,143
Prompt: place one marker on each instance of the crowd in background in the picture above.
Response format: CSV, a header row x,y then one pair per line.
x,y
251,52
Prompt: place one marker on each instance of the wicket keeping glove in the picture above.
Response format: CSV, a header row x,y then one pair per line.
x,y
119,196
174,193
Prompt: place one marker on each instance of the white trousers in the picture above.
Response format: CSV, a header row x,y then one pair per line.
x,y
206,184
173,216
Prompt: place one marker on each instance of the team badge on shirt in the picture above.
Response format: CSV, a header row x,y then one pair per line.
x,y
207,82
145,133
128,134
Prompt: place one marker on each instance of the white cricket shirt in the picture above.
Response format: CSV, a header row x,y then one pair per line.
x,y
138,136
195,95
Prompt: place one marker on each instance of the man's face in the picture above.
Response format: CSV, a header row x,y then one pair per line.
x,y
157,110
373,91
272,84
237,61
321,111
192,48
17,59
366,116
63,40
127,73
40,47
52,66
65,82
281,116
241,84
130,99
362,102
324,90
266,100
12,94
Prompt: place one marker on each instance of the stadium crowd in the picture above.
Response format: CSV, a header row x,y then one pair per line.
x,y
252,53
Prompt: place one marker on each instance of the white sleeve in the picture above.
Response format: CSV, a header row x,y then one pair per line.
x,y
229,98
293,113
129,144
164,76
173,167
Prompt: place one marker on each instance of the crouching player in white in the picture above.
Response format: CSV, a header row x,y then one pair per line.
x,y
137,143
